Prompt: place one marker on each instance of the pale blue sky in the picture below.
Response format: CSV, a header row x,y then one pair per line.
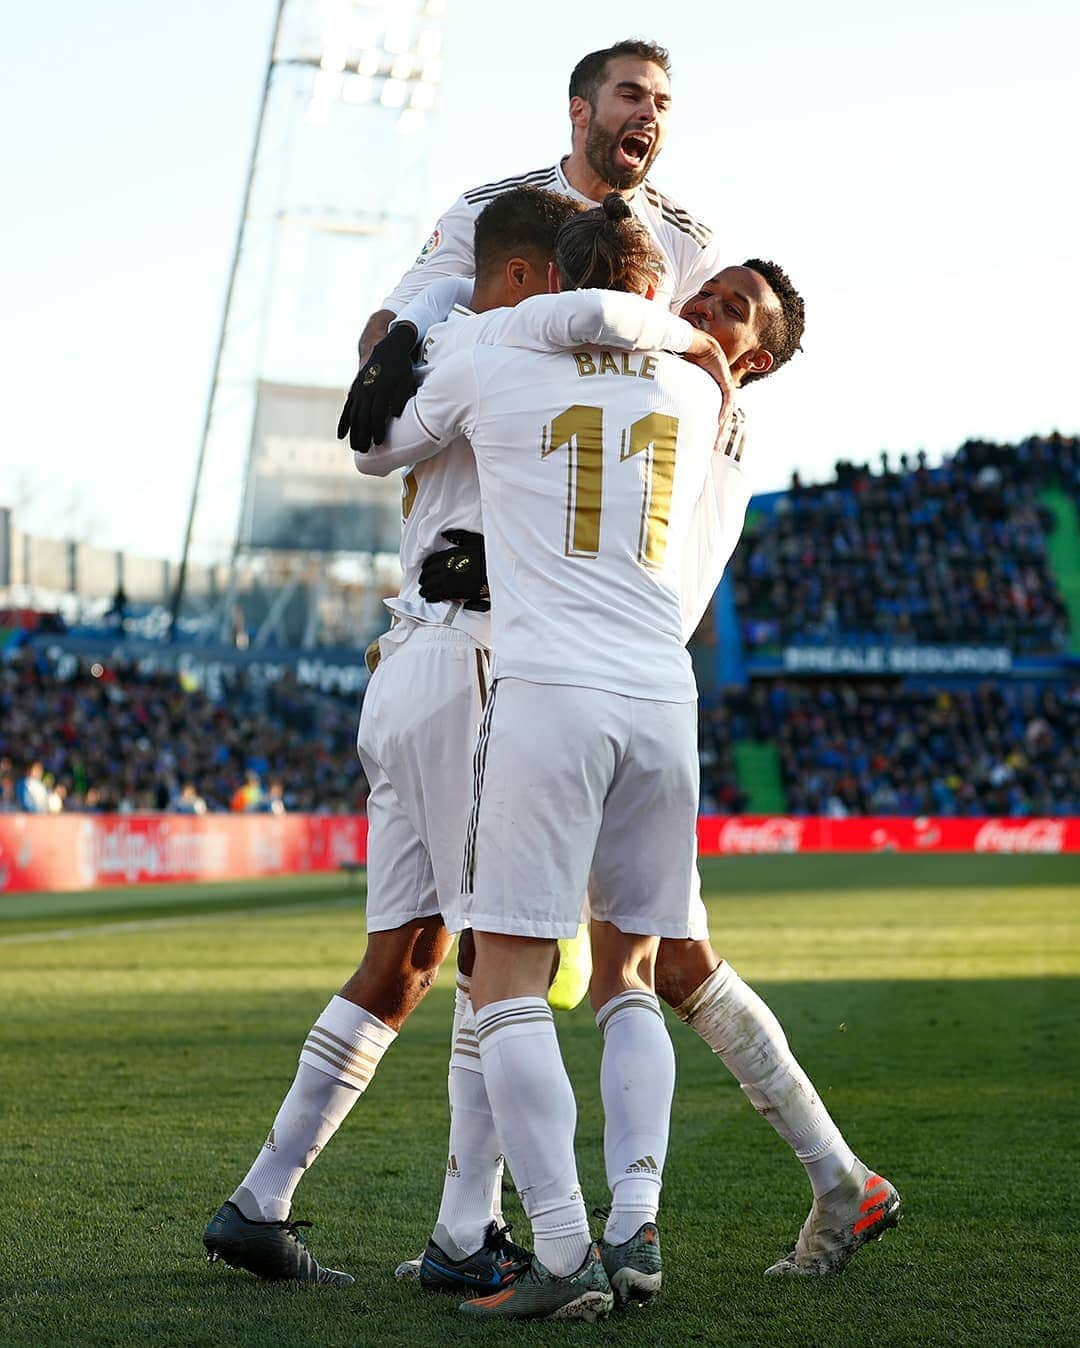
x,y
915,169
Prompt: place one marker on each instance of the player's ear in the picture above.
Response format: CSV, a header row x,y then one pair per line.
x,y
580,112
517,273
650,291
758,361
553,279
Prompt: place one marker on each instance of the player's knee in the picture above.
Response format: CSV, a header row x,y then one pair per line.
x,y
682,967
398,969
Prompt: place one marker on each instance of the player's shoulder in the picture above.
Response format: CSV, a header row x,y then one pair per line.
x,y
687,383
478,197
677,216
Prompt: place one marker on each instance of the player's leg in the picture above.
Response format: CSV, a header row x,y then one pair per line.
x,y
545,756
445,677
470,1247
640,883
637,1082
407,942
708,995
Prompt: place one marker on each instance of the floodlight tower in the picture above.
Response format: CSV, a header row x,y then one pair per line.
x,y
331,214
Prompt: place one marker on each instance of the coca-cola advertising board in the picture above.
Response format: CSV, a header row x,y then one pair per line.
x,y
747,835
92,851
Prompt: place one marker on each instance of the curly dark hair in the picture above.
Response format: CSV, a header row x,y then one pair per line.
x,y
606,249
781,332
522,222
588,75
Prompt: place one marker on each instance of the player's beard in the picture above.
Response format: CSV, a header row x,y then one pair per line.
x,y
600,146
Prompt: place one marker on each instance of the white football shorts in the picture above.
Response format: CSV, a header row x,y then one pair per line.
x,y
416,738
578,789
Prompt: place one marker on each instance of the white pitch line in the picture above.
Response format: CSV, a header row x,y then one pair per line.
x,y
152,923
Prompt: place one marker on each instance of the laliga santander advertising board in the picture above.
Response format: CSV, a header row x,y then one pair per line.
x,y
93,851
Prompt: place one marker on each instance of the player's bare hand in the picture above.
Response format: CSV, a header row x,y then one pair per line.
x,y
707,353
384,385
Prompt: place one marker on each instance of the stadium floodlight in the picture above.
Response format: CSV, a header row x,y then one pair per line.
x,y
337,74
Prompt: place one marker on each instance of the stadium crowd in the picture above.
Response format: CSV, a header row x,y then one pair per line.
x,y
851,747
117,738
952,555
123,740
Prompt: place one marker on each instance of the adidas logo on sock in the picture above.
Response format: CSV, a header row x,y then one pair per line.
x,y
644,1165
452,1167
270,1144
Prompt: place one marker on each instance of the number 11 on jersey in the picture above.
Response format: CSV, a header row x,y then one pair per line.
x,y
580,429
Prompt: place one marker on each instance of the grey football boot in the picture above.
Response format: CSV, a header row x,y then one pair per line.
x,y
860,1209
271,1250
538,1294
634,1267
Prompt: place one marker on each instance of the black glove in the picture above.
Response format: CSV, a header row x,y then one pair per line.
x,y
381,389
457,574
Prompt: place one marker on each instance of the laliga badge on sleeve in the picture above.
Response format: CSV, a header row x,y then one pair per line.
x,y
429,247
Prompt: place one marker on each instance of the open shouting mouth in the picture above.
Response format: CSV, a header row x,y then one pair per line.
x,y
632,151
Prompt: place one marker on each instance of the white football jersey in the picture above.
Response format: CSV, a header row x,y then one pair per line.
x,y
689,251
443,493
592,465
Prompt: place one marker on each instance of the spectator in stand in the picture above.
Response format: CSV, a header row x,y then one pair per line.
x,y
249,797
274,800
33,794
8,793
188,801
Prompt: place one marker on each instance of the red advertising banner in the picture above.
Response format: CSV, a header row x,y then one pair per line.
x,y
54,852
92,851
744,835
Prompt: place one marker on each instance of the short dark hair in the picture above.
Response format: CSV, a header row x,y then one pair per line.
x,y
782,332
524,220
606,249
588,75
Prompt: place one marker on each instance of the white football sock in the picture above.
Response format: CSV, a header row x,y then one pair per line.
x,y
535,1114
746,1036
472,1189
462,1010
637,1083
339,1058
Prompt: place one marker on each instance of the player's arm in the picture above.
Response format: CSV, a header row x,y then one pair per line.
x,y
438,414
717,522
375,329
386,380
448,252
584,318
433,305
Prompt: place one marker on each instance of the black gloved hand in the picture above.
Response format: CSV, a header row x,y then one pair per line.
x,y
382,388
457,574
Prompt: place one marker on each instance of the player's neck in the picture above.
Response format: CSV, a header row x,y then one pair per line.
x,y
486,296
583,178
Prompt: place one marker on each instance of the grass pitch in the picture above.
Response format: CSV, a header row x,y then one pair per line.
x,y
147,1037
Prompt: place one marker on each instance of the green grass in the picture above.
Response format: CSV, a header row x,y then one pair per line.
x,y
146,1039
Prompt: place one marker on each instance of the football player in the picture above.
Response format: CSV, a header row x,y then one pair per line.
x,y
416,737
587,770
620,99
616,94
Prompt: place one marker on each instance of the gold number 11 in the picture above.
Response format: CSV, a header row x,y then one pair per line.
x,y
581,430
